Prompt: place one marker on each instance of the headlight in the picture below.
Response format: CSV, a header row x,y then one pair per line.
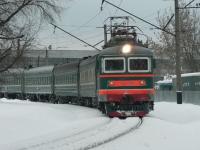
x,y
126,49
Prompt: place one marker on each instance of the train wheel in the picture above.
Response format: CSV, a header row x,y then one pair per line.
x,y
106,109
109,108
101,107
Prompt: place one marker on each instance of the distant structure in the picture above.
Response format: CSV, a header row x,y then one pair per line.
x,y
36,58
164,66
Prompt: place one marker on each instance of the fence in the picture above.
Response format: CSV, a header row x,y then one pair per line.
x,y
192,97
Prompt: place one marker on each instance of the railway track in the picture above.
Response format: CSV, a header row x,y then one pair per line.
x,y
114,137
89,139
103,132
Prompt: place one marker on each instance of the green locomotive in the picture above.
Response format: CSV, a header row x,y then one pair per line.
x,y
118,80
125,81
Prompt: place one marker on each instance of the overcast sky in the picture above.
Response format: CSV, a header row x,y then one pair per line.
x,y
81,17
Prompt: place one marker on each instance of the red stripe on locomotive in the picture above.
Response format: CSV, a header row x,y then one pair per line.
x,y
125,75
125,91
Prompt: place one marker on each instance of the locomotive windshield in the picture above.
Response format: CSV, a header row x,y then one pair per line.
x,y
114,65
139,64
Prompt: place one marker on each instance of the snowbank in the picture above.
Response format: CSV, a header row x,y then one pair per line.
x,y
172,112
22,120
29,125
169,127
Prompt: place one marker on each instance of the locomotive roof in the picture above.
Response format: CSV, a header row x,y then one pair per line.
x,y
40,69
60,53
72,65
12,72
136,50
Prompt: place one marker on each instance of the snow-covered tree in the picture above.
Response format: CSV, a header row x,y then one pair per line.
x,y
190,39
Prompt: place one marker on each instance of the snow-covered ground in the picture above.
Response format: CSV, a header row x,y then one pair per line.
x,y
42,126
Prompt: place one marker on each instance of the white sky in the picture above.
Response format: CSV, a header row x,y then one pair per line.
x,y
81,17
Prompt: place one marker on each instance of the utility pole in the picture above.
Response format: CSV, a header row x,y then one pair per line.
x,y
178,57
47,56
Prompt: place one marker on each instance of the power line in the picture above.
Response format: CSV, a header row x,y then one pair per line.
x,y
84,24
55,26
118,6
186,6
157,27
189,3
98,43
93,36
88,21
74,26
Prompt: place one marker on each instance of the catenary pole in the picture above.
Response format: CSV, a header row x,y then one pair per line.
x,y
178,57
177,45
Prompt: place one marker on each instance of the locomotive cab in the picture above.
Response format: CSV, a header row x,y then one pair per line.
x,y
125,81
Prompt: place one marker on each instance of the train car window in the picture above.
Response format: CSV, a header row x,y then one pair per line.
x,y
84,76
46,80
87,75
139,64
114,65
70,78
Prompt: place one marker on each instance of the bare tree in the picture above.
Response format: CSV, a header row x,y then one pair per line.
x,y
19,22
190,40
